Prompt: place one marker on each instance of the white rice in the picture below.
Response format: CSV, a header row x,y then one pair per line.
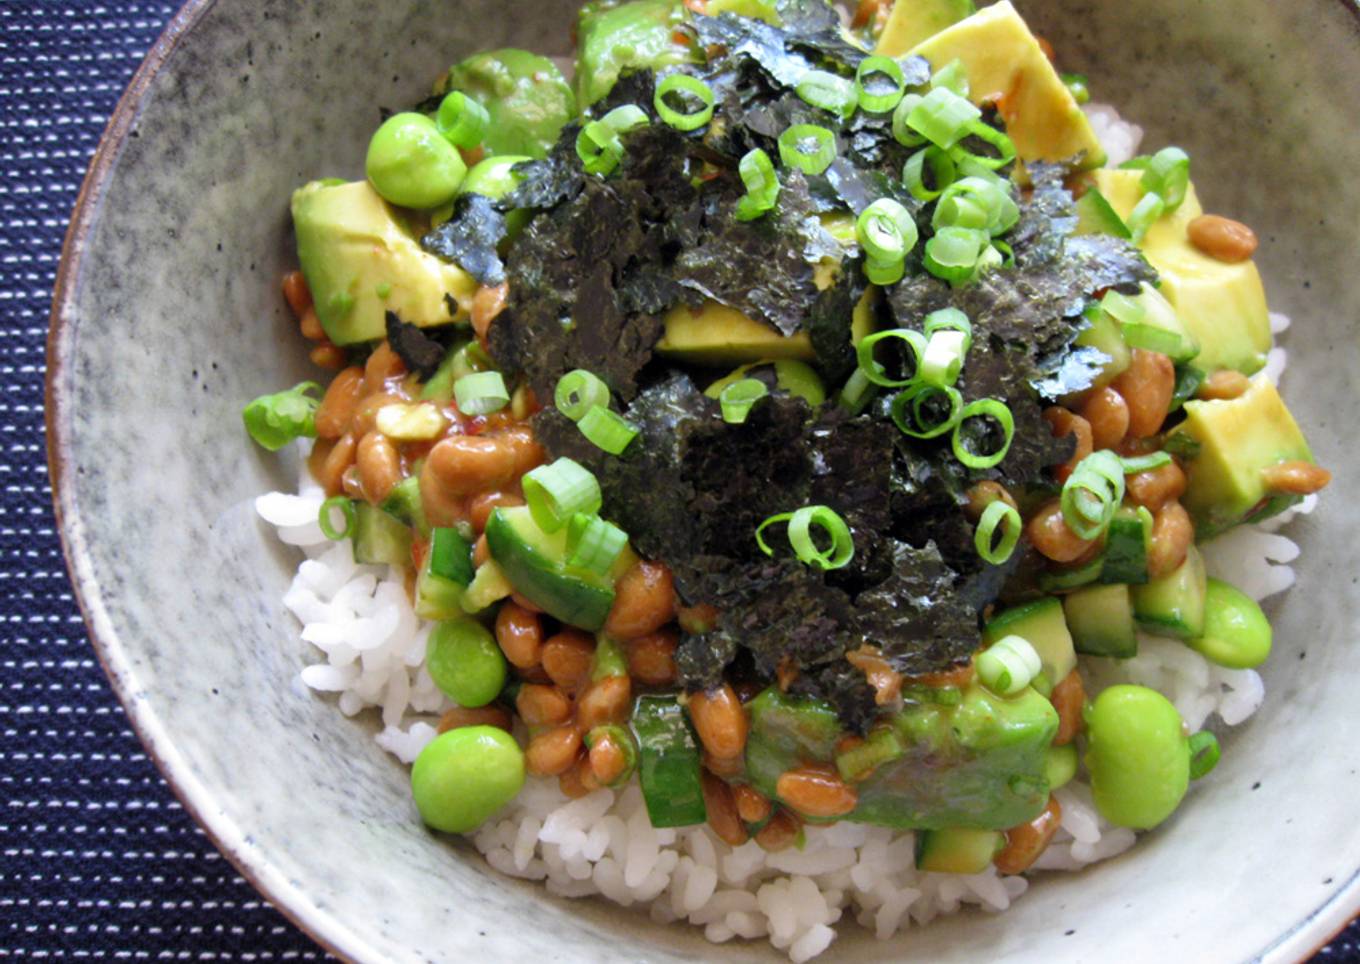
x,y
372,648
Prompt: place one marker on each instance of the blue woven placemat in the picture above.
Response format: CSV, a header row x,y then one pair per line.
x,y
97,860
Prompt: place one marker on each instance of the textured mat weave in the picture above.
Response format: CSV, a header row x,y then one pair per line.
x,y
97,861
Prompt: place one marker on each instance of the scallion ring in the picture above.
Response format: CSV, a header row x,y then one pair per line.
x,y
943,117
989,135
943,359
884,273
1092,494
842,548
953,253
886,231
1204,753
599,148
606,429
625,118
772,520
738,398
578,391
949,319
978,203
558,491
857,392
684,86
983,408
864,352
920,400
829,92
594,544
345,506
1144,215
871,92
903,134
461,120
1144,463
998,515
1008,665
943,172
762,185
480,393
808,147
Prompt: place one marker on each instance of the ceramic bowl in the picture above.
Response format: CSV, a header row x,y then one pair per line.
x,y
168,318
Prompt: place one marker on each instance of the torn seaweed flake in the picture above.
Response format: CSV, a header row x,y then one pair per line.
x,y
470,238
418,351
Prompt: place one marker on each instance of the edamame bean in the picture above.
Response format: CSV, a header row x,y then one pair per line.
x,y
1236,632
409,163
465,663
465,775
1137,755
494,177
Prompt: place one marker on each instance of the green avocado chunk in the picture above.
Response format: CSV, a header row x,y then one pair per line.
x,y
980,763
1173,605
534,563
616,37
1231,442
913,21
361,260
526,96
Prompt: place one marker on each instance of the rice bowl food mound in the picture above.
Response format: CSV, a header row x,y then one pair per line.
x,y
372,649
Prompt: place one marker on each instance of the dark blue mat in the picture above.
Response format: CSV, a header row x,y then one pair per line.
x,y
97,860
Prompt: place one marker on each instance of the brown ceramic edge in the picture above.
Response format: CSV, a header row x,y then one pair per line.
x,y
82,219
91,189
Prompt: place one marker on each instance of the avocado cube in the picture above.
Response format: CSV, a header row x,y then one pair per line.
x,y
1233,440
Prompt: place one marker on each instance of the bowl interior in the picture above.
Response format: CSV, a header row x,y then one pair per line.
x,y
169,319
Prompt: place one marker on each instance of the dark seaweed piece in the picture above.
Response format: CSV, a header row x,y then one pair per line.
x,y
470,238
418,351
915,617
829,323
845,687
700,660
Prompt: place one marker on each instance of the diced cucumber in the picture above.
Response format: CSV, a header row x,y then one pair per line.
x,y
404,503
1096,216
1101,621
1063,580
880,746
1160,322
436,596
450,555
1104,336
489,585
463,359
534,562
1042,625
669,770
1126,547
379,538
1062,765
1174,604
957,850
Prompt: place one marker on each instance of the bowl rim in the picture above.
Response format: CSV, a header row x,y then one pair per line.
x,y
1297,943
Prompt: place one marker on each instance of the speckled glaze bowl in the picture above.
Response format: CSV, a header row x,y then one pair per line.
x,y
168,317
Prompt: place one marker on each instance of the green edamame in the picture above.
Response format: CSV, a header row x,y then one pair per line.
x,y
465,775
411,164
1236,633
494,177
1061,765
1138,756
465,663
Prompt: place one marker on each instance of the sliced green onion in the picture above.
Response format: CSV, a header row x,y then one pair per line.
x,y
1151,338
943,172
900,131
578,391
857,392
738,398
992,409
994,517
943,360
1005,252
949,319
808,147
558,491
1144,463
953,253
481,393
1005,147
606,429
599,148
762,185
1122,308
875,372
918,399
327,522
1078,87
879,101
977,203
625,118
800,523
1204,753
461,120
886,231
953,76
275,420
1166,174
884,273
943,117
594,544
1008,665
1092,494
1144,214
829,92
684,87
